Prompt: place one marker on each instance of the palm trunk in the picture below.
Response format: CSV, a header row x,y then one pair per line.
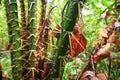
x,y
24,34
41,46
30,43
8,15
13,27
31,23
63,41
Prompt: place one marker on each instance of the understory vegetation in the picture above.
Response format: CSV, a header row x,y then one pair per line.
x,y
60,40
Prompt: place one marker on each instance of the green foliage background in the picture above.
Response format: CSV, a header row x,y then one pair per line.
x,y
92,11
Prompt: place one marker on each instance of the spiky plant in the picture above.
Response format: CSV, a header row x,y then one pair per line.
x,y
41,44
23,29
14,39
41,27
68,24
32,24
24,34
30,43
8,15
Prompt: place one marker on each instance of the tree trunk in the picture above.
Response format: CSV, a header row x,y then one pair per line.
x,y
30,43
13,27
63,41
41,44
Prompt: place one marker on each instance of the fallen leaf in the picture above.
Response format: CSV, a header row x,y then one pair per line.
x,y
95,78
102,76
87,75
112,37
103,33
101,53
117,42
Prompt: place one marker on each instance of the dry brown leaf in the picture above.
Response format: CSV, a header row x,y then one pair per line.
x,y
112,37
95,78
87,74
90,75
101,53
102,76
117,42
78,41
103,33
